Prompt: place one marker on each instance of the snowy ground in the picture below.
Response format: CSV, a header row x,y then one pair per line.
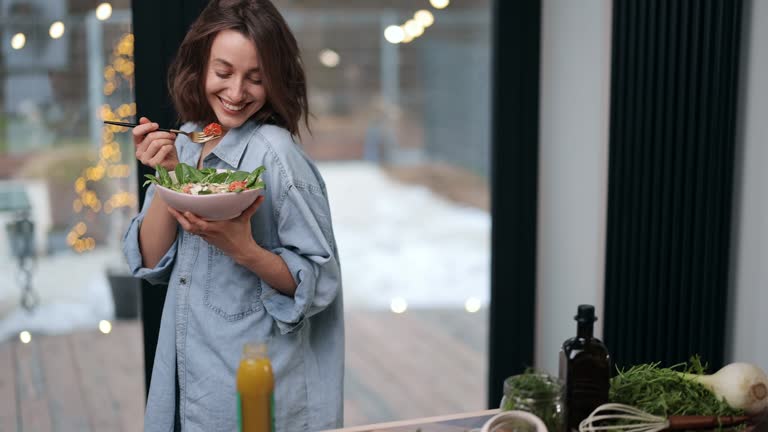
x,y
399,240
395,241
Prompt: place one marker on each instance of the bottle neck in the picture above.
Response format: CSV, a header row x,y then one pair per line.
x,y
584,330
254,351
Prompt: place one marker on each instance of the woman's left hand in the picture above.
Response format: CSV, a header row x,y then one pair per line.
x,y
232,236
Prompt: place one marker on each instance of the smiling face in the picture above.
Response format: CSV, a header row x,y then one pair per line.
x,y
233,81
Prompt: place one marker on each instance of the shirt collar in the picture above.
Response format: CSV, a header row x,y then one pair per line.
x,y
232,146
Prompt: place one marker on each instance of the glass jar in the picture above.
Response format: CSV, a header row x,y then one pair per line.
x,y
537,393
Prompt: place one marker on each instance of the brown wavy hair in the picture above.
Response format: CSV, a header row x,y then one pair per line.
x,y
280,62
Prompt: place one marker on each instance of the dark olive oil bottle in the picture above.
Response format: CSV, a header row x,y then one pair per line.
x,y
585,370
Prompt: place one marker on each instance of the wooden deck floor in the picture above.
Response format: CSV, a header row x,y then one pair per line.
x,y
84,381
421,363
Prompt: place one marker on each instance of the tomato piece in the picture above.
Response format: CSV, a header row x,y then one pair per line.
x,y
212,129
235,185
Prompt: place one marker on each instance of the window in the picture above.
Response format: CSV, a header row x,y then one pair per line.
x,y
61,70
401,130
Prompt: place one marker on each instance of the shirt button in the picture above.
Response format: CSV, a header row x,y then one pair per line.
x,y
183,281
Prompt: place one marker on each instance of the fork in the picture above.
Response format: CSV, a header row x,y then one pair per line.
x,y
196,137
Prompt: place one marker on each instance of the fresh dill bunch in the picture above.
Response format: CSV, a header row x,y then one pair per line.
x,y
537,393
665,392
532,384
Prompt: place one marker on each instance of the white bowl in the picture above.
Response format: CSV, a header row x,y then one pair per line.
x,y
514,420
213,207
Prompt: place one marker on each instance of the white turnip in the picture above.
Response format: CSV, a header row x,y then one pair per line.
x,y
741,385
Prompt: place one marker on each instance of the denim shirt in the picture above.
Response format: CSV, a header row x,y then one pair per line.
x,y
214,306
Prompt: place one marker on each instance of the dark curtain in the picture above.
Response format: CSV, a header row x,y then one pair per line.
x,y
672,133
158,28
515,152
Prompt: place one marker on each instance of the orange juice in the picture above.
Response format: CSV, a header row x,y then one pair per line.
x,y
255,385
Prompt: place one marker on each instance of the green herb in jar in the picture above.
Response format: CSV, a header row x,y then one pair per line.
x,y
537,393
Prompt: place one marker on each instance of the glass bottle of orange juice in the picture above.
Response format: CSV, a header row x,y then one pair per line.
x,y
255,386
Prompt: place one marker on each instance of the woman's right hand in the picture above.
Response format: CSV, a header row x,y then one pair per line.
x,y
154,147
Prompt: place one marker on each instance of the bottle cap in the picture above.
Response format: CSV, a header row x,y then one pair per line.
x,y
585,314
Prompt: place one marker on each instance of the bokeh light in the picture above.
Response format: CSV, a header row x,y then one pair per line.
x,y
394,34
56,30
398,305
103,11
424,17
413,28
472,304
439,4
18,41
329,58
25,337
105,326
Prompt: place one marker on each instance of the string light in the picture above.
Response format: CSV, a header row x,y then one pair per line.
x,y
118,73
18,41
394,34
105,326
398,305
415,27
56,30
329,58
424,17
439,4
25,337
472,304
103,11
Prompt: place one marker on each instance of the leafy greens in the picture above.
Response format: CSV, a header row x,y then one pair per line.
x,y
186,174
664,391
535,392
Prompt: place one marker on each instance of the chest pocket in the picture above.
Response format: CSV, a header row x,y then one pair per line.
x,y
231,290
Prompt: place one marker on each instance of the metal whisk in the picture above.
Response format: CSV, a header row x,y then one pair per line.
x,y
625,418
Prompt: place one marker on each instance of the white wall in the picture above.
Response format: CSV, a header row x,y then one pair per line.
x,y
575,86
748,306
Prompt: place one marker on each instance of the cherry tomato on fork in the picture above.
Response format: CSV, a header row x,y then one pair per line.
x,y
212,129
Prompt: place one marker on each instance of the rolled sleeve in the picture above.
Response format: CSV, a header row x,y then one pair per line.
x,y
306,236
161,273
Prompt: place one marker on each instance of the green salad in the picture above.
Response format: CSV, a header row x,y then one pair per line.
x,y
206,181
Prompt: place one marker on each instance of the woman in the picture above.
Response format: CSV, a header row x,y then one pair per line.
x,y
272,274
